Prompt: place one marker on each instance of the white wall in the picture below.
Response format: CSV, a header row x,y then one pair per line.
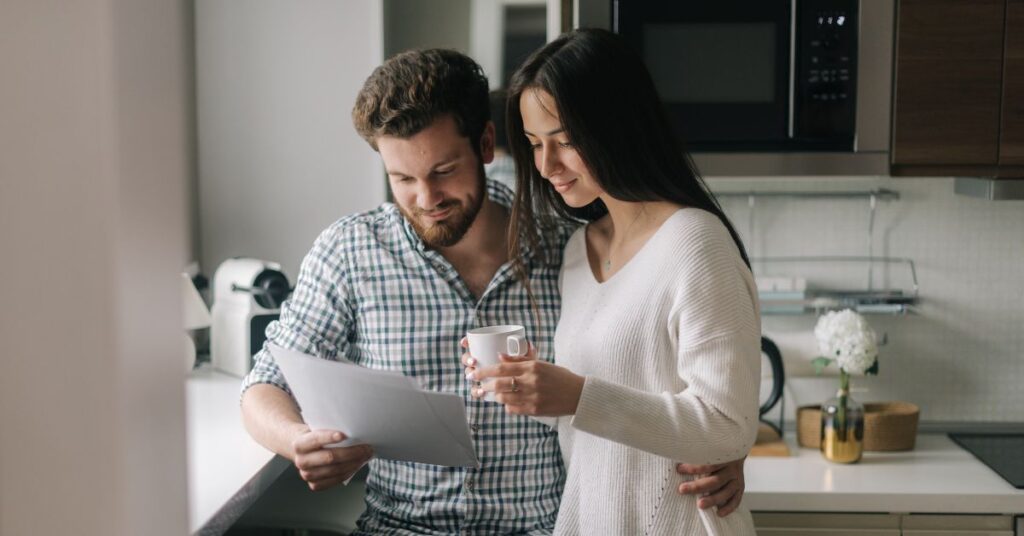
x,y
279,159
94,159
961,355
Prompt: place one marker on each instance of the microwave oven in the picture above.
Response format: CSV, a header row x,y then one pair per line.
x,y
767,87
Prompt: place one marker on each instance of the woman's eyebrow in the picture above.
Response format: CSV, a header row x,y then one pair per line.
x,y
552,133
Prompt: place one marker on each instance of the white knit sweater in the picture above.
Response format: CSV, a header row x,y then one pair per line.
x,y
670,347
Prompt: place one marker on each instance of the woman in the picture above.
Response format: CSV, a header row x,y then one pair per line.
x,y
658,347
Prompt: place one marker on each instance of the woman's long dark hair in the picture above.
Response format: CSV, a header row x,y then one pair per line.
x,y
612,114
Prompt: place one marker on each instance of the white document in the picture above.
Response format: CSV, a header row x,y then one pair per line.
x,y
386,410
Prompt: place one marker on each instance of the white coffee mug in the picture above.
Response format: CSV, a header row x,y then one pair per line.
x,y
485,344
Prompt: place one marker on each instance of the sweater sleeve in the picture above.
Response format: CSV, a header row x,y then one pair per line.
x,y
714,328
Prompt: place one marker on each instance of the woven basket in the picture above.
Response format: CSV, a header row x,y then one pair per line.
x,y
888,426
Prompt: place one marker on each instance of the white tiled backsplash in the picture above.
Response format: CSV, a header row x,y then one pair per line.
x,y
960,355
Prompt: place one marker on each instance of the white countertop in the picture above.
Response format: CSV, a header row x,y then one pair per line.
x,y
937,476
227,470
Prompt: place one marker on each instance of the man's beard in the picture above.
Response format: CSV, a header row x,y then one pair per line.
x,y
448,232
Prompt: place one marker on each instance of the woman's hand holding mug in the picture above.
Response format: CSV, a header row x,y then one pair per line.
x,y
525,384
486,345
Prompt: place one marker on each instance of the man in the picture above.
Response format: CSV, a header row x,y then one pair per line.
x,y
397,287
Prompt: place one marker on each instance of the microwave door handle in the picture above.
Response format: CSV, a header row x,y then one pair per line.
x,y
792,64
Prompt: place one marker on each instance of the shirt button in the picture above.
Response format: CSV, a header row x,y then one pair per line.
x,y
469,484
474,427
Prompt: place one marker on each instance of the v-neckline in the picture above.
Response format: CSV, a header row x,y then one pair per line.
x,y
590,267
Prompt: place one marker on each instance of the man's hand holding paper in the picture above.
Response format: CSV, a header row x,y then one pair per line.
x,y
322,465
385,410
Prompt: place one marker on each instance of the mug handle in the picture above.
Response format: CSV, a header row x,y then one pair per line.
x,y
516,345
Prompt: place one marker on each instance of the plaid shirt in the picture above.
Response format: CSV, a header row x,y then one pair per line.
x,y
503,170
371,291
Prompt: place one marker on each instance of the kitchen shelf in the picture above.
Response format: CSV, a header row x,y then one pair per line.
x,y
882,194
820,298
891,301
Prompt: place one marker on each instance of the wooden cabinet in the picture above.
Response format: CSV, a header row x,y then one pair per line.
x,y
958,104
1011,146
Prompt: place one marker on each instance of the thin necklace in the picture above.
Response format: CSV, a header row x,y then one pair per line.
x,y
608,262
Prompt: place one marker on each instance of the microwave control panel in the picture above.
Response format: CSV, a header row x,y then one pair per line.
x,y
826,71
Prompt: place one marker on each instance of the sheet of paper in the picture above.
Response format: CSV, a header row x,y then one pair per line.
x,y
386,410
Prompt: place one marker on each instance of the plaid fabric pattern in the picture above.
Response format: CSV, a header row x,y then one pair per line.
x,y
370,291
503,170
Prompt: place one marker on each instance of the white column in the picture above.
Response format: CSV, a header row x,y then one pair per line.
x,y
279,159
94,161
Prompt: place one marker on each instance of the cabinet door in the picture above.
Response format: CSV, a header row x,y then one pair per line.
x,y
949,62
826,532
825,524
964,532
957,525
1011,148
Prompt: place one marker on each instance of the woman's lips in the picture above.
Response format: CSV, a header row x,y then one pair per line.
x,y
562,187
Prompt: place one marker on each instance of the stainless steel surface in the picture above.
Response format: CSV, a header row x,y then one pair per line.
x,y
914,290
880,193
791,164
792,65
865,300
991,189
874,76
873,117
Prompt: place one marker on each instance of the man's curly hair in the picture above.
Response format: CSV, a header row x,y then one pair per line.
x,y
411,89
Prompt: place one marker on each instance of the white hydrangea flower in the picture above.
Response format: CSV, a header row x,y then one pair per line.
x,y
848,339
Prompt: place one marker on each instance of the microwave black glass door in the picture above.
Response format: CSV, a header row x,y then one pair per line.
x,y
722,68
825,83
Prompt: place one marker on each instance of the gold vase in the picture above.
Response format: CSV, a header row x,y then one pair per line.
x,y
842,425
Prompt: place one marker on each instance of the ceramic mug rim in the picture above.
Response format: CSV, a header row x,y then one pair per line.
x,y
496,330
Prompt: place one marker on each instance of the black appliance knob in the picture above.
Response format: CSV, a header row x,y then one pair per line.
x,y
270,289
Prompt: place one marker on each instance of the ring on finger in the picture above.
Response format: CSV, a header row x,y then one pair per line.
x,y
515,385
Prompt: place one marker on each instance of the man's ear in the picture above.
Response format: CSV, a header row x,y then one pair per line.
x,y
487,143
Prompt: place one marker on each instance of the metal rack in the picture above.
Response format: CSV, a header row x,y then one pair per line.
x,y
868,300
